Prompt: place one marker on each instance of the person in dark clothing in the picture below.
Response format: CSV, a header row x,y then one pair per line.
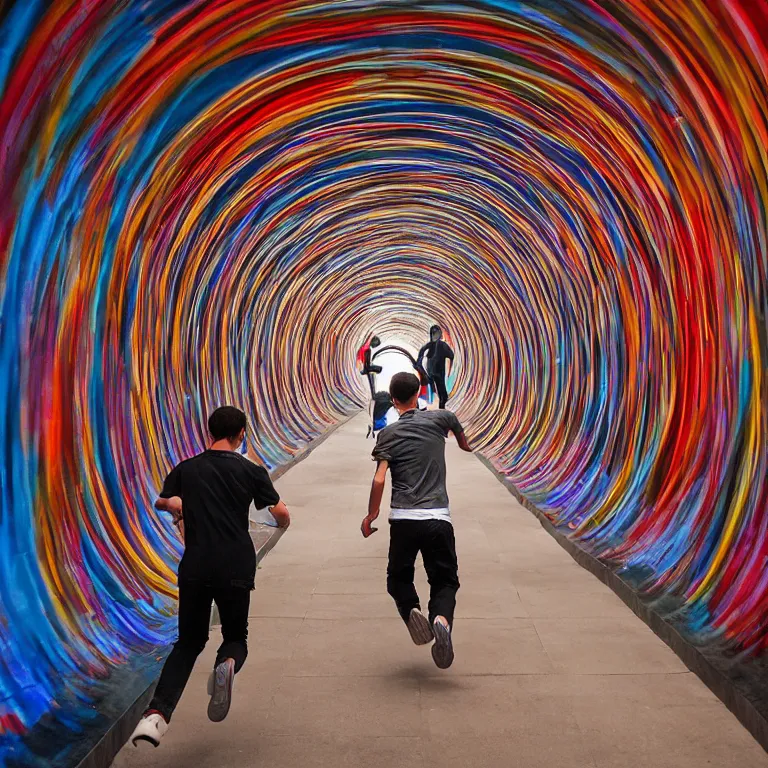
x,y
413,449
211,493
437,352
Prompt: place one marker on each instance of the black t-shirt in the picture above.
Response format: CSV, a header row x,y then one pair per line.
x,y
217,488
437,353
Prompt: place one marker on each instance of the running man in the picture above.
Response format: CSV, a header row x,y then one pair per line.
x,y
437,352
413,449
211,493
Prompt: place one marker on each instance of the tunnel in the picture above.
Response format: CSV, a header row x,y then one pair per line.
x,y
206,202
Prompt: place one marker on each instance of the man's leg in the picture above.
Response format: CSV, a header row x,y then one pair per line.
x,y
403,548
233,602
438,548
195,600
433,387
442,390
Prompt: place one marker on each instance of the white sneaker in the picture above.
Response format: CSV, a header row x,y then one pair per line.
x,y
418,626
442,650
151,728
220,690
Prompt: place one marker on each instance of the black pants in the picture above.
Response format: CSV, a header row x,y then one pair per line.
x,y
195,599
437,382
435,540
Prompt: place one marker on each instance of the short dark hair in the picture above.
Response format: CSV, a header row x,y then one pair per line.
x,y
226,423
404,386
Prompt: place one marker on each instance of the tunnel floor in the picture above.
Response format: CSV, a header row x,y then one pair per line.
x,y
552,670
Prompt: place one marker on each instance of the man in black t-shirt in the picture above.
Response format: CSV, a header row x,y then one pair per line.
x,y
211,494
437,352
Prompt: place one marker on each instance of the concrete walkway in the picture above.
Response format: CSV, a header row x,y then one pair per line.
x,y
551,671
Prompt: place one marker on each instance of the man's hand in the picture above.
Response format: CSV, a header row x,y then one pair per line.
x,y
172,505
366,527
374,502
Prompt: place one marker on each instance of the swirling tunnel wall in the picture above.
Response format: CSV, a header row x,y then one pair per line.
x,y
215,201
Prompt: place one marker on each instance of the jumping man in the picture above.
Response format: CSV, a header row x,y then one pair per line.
x,y
413,449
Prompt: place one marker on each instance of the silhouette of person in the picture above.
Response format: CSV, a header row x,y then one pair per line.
x,y
437,352
364,363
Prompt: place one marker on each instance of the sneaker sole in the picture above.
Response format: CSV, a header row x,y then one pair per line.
x,y
419,629
221,698
442,650
135,741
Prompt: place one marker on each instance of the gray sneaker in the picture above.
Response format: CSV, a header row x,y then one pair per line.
x,y
418,626
442,650
220,690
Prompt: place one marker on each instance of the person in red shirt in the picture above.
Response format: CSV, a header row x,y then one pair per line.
x,y
364,366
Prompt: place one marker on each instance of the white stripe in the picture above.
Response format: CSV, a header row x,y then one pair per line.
x,y
440,513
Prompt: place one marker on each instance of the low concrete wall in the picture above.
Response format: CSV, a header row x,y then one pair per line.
x,y
741,684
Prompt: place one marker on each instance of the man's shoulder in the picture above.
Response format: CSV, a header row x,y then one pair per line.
x,y
236,459
190,462
432,415
389,430
251,465
443,418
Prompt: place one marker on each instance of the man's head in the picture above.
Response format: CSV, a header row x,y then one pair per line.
x,y
227,423
404,390
435,332
375,341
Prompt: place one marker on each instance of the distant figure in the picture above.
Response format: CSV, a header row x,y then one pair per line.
x,y
413,449
211,493
381,407
437,352
364,366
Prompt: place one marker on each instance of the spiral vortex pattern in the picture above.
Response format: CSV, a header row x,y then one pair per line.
x,y
216,201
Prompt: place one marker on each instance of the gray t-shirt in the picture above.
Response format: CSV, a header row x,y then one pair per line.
x,y
414,447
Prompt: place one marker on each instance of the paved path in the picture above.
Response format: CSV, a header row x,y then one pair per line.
x,y
551,671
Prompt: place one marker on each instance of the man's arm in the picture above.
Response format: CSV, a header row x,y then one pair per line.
x,y
461,439
374,501
422,351
281,514
170,496
173,504
266,497
453,424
